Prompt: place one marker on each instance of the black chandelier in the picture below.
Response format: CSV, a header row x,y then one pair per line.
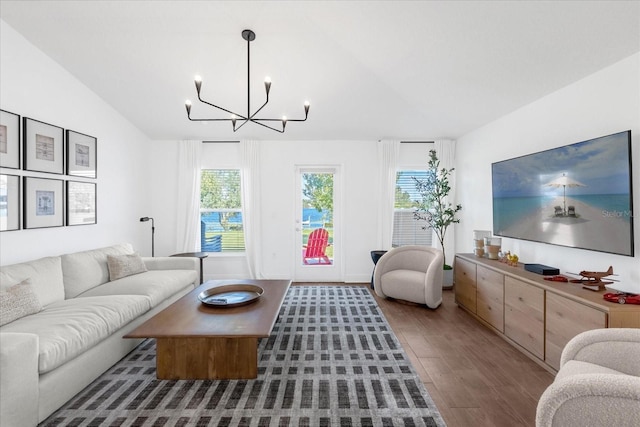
x,y
249,36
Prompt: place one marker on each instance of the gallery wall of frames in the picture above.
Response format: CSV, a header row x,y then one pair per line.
x,y
47,175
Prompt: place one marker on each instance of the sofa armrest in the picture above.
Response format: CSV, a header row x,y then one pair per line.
x,y
614,348
172,263
591,400
19,388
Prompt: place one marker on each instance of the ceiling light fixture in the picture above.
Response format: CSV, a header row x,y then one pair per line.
x,y
249,36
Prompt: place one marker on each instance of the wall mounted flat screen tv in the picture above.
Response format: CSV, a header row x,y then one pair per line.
x,y
578,195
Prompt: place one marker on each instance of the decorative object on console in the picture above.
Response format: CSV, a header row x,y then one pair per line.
x,y
153,232
592,280
81,155
622,297
43,202
478,241
249,36
545,270
43,147
9,140
492,246
10,207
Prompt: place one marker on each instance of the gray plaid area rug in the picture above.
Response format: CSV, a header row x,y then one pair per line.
x,y
331,360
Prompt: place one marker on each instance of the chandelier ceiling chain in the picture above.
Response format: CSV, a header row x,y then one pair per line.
x,y
249,36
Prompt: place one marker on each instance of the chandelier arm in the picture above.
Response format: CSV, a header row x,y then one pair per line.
x,y
258,110
240,116
244,122
209,120
268,127
278,120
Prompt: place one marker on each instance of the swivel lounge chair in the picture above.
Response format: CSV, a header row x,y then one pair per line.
x,y
410,273
598,383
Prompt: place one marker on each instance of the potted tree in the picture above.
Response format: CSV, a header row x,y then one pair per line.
x,y
435,209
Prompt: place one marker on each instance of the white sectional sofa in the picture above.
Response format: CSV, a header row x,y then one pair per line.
x,y
73,322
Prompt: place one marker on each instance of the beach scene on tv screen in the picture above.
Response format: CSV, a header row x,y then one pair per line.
x,y
577,195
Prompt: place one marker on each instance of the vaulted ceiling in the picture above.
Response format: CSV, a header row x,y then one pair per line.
x,y
411,70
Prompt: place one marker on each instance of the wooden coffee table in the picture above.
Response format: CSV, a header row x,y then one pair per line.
x,y
196,341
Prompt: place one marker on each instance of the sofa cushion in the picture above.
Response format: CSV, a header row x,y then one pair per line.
x,y
124,265
158,285
85,270
68,328
45,275
18,301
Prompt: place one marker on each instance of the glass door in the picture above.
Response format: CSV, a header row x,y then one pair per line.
x,y
318,245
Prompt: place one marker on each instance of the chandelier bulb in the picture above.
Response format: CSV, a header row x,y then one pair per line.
x,y
187,104
267,84
306,108
198,81
233,121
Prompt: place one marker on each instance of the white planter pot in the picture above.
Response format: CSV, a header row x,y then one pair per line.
x,y
447,279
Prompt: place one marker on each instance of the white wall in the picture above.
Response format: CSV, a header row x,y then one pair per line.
x,y
601,104
33,85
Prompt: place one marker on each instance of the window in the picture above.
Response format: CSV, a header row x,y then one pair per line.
x,y
221,226
406,229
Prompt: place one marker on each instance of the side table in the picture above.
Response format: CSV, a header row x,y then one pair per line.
x,y
201,255
375,256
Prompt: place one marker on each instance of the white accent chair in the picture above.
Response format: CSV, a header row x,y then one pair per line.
x,y
410,273
598,383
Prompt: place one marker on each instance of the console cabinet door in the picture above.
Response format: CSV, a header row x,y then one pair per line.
x,y
490,294
524,315
565,320
465,284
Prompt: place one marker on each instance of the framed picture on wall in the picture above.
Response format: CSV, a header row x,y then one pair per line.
x,y
81,203
81,155
9,202
43,146
9,140
43,202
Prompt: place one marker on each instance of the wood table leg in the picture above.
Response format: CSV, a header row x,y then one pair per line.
x,y
206,358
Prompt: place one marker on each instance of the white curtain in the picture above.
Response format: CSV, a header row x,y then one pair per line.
x,y
250,179
388,153
446,152
188,200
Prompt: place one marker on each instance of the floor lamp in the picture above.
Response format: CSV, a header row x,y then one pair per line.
x,y
153,232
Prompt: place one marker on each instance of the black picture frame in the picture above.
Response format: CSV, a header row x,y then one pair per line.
x,y
43,146
9,140
43,200
81,203
9,202
81,155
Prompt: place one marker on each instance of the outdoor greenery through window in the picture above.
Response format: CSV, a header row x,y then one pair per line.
x,y
406,229
221,224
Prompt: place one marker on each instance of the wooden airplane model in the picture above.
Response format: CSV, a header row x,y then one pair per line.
x,y
592,280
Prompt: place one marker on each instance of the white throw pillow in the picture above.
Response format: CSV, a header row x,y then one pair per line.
x,y
124,265
18,301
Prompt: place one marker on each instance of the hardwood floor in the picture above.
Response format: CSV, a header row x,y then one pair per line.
x,y
474,377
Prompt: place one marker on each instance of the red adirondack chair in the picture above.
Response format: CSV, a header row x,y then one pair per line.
x,y
314,251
